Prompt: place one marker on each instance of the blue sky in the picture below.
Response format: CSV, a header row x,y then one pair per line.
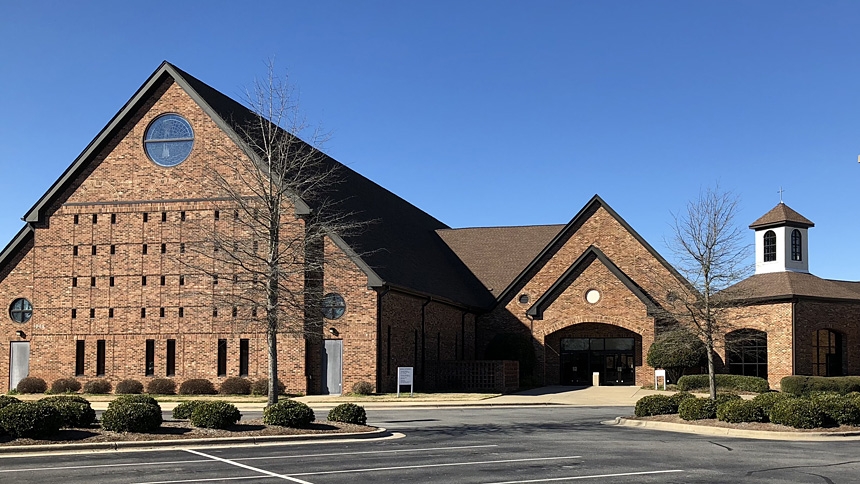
x,y
485,113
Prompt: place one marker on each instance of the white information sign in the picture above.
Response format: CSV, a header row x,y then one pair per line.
x,y
657,375
404,377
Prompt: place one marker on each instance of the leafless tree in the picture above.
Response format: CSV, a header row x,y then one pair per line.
x,y
711,254
275,221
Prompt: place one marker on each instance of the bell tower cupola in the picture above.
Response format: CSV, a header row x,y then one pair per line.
x,y
781,242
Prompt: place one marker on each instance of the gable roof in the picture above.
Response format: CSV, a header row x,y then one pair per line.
x,y
788,285
496,255
590,255
564,234
781,214
400,249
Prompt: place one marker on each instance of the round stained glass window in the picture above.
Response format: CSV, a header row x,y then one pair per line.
x,y
21,310
333,306
168,140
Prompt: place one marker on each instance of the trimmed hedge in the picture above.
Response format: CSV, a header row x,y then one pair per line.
x,y
799,413
348,413
215,415
30,419
726,397
97,387
288,413
235,386
127,416
185,409
737,411
134,398
766,401
261,387
31,384
655,405
697,409
737,383
839,409
129,387
197,386
161,386
680,397
75,411
66,385
804,385
362,388
8,400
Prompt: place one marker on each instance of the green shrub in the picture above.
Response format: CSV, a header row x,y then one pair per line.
x,y
348,413
261,387
838,409
129,387
215,415
161,386
31,384
362,388
235,386
697,409
134,398
7,400
65,385
184,410
737,411
676,350
76,411
288,413
726,397
766,401
800,413
197,386
97,387
804,385
737,383
30,419
680,397
655,405
127,416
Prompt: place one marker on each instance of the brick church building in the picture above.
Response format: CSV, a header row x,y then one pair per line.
x,y
98,282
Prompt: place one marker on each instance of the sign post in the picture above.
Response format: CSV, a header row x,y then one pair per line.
x,y
657,375
404,377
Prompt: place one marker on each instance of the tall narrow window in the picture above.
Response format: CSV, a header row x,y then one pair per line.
x,y
163,280
75,250
111,281
150,357
182,216
796,245
217,215
142,280
171,357
142,312
112,249
161,312
113,218
74,313
181,280
76,219
110,312
145,217
769,246
164,216
100,357
74,282
222,357
144,249
79,357
243,357
181,312
182,248
215,279
94,250
163,248
95,219
92,282
92,313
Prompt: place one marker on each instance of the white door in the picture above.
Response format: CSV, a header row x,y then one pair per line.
x,y
19,358
332,367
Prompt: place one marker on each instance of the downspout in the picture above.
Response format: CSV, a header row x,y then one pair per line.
x,y
379,362
424,340
463,336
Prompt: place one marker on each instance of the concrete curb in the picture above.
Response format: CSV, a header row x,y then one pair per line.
x,y
182,443
736,433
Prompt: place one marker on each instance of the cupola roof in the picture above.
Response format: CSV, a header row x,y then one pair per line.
x,y
781,214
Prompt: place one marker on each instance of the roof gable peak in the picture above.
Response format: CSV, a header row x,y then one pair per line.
x,y
781,214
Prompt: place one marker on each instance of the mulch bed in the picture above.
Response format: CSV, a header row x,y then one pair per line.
x,y
182,429
771,427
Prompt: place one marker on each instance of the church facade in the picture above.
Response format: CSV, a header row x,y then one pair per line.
x,y
102,281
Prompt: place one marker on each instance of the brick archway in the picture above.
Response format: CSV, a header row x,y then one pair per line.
x,y
563,365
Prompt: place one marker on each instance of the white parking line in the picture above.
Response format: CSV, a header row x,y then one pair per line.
x,y
425,466
245,466
597,476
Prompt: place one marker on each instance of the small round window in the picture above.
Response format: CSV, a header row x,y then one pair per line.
x,y
333,306
168,140
524,298
21,310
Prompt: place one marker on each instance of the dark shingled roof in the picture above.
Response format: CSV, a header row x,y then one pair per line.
x,y
786,285
782,214
497,255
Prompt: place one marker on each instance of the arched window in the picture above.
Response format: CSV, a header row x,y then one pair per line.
x,y
826,353
746,352
769,246
796,245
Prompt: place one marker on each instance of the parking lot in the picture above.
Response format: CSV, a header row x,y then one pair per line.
x,y
467,445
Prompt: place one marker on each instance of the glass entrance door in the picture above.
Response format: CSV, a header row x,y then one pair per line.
x,y
612,358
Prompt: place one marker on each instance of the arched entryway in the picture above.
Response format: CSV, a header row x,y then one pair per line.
x,y
588,348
